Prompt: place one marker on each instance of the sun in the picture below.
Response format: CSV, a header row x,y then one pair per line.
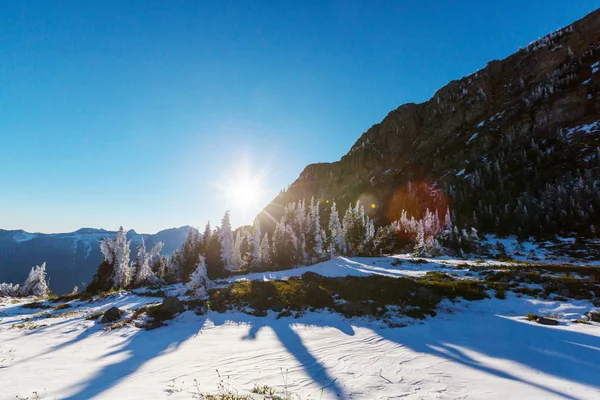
x,y
243,192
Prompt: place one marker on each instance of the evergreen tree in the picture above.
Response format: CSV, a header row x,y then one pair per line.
x,y
116,252
199,282
212,253
226,239
336,233
36,284
265,252
255,261
144,274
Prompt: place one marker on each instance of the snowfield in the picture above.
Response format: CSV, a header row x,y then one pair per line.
x,y
471,350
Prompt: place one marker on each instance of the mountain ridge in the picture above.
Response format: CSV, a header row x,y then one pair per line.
x,y
547,89
72,257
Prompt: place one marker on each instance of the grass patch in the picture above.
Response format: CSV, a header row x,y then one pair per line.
x,y
94,316
65,298
36,305
151,293
62,306
580,321
264,390
531,317
350,296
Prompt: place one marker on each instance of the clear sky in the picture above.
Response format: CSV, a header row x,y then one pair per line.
x,y
148,114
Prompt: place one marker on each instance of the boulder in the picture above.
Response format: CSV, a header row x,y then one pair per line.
x,y
111,315
170,306
428,295
593,316
546,321
310,276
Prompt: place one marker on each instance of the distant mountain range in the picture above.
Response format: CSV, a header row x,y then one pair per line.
x,y
71,258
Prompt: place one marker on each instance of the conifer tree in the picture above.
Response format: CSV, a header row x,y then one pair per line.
x,y
255,261
336,233
226,240
144,274
116,252
199,282
36,284
265,252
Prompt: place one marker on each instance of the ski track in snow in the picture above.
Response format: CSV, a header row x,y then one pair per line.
x,y
471,350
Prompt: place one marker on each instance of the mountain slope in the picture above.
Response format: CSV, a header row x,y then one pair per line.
x,y
498,144
72,258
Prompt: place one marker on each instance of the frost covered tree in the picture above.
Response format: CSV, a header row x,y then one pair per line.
x,y
160,267
284,246
354,228
9,290
36,284
116,252
336,234
226,240
199,282
265,251
144,274
255,260
314,240
236,254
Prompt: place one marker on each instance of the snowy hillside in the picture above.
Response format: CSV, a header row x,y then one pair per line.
x,y
479,349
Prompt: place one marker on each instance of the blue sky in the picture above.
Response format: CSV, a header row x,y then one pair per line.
x,y
143,114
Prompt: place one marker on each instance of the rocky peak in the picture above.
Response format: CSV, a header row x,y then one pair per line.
x,y
550,86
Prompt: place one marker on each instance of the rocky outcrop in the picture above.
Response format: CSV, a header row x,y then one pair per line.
x,y
552,85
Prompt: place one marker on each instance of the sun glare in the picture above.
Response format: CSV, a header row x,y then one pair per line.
x,y
244,193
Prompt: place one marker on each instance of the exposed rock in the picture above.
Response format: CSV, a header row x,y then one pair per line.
x,y
428,295
543,94
259,313
170,306
311,276
111,315
546,321
593,316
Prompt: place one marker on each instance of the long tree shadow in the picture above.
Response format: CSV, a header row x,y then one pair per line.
x,y
141,347
292,343
561,353
557,352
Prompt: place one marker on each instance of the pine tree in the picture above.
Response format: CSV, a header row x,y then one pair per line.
x,y
116,252
336,233
144,274
265,252
226,239
36,284
255,261
9,290
236,253
199,282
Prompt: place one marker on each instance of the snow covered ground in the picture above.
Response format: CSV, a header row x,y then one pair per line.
x,y
477,350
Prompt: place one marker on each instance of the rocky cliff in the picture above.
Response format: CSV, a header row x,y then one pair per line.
x,y
544,98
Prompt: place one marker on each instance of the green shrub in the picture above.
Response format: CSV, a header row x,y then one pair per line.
x,y
531,317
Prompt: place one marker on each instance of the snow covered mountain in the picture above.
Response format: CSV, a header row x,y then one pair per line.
x,y
72,258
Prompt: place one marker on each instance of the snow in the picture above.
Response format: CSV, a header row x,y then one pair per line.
x,y
459,173
595,67
587,128
474,136
586,81
24,237
481,350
